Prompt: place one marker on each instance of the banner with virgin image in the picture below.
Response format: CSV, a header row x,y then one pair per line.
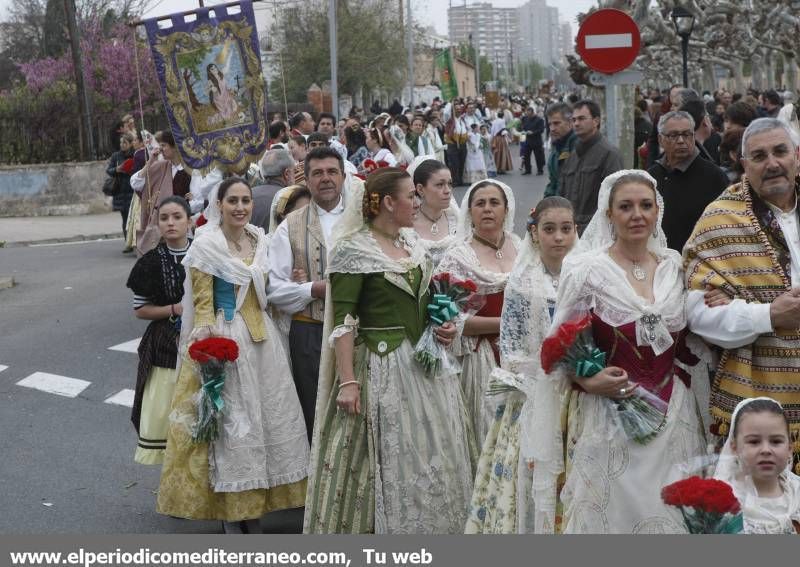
x,y
209,67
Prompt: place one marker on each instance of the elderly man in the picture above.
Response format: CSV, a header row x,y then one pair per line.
x,y
688,184
301,124
277,170
298,256
593,160
747,243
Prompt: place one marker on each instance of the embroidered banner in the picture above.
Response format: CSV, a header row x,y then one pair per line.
x,y
211,84
447,76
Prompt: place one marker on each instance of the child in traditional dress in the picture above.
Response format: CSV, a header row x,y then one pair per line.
x,y
475,169
756,461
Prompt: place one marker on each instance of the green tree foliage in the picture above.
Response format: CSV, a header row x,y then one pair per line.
x,y
370,46
467,52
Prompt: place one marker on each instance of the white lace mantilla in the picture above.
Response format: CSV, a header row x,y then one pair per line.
x,y
360,253
592,280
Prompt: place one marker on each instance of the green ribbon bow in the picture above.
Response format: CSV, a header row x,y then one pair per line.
x,y
213,388
442,309
594,363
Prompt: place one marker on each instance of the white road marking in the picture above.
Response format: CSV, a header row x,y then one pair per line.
x,y
609,41
54,384
122,398
3,367
130,346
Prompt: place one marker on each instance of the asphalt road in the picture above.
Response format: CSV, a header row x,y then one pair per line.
x,y
67,464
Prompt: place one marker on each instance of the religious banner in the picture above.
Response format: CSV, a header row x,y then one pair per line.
x,y
209,67
446,74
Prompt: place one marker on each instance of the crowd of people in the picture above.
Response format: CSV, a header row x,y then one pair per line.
x,y
318,261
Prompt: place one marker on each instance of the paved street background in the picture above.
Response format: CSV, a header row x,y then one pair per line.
x,y
67,462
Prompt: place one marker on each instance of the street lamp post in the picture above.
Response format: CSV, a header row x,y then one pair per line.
x,y
683,20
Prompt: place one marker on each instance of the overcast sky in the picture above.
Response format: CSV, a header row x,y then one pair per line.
x,y
426,11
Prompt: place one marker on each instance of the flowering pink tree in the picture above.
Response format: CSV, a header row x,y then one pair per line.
x,y
41,117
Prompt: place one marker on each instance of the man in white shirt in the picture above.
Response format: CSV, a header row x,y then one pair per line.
x,y
747,243
298,258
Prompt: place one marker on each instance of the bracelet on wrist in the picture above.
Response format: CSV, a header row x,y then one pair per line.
x,y
343,384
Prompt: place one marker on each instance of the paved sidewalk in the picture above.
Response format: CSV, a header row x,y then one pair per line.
x,y
23,231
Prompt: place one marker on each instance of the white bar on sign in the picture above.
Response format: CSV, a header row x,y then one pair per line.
x,y
609,41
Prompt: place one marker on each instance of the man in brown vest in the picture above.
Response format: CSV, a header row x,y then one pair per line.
x,y
298,257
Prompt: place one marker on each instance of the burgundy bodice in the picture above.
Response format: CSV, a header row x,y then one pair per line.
x,y
492,308
640,362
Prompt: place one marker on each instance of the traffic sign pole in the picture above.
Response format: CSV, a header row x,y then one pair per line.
x,y
608,41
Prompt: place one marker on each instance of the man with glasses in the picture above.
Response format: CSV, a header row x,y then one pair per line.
x,y
593,160
687,182
747,243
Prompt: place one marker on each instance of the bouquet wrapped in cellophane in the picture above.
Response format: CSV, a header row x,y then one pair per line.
x,y
212,356
640,416
450,297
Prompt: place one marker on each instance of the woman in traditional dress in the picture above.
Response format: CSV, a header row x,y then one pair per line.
x,y
485,253
500,150
259,463
397,143
157,284
390,451
378,148
437,220
157,180
623,274
501,500
286,200
135,210
486,148
475,168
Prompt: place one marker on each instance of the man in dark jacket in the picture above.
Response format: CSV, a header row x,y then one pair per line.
x,y
562,143
592,161
686,181
532,126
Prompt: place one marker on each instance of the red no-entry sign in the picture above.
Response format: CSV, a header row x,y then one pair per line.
x,y
608,41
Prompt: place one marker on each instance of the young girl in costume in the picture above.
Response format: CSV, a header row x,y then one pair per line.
x,y
756,461
157,284
502,500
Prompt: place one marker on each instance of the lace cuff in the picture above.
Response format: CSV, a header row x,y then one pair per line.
x,y
349,325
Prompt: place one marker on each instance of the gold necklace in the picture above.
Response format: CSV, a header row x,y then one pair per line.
x,y
435,225
236,242
498,248
397,240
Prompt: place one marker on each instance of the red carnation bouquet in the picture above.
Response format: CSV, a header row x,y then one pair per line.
x,y
708,505
212,356
450,297
640,416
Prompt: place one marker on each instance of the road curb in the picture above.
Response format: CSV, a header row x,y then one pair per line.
x,y
77,238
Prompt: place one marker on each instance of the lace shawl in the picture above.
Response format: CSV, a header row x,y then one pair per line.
x,y
461,261
209,253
